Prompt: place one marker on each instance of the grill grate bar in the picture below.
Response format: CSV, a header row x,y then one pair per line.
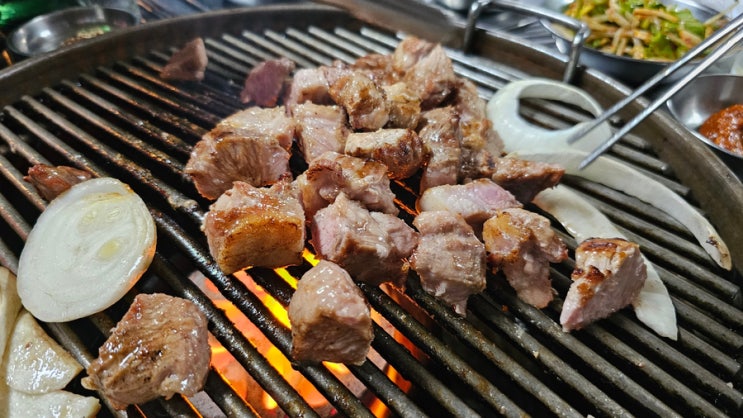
x,y
212,102
392,351
176,406
437,350
231,59
629,360
327,48
466,332
275,49
142,147
236,292
171,142
189,111
685,369
151,112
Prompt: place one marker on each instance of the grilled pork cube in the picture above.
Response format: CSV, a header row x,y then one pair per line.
x,y
51,181
404,105
408,52
159,348
525,179
401,150
320,129
449,259
188,63
522,244
364,102
480,144
308,85
440,138
476,201
266,82
249,226
372,246
378,67
251,146
432,78
330,318
608,275
332,174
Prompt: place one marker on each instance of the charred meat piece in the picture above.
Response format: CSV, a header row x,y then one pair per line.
x,y
330,318
332,174
404,106
432,78
476,201
608,275
266,82
51,181
522,244
525,179
251,146
249,226
188,63
378,67
408,52
401,150
440,138
450,260
308,85
480,145
159,348
372,246
320,128
365,102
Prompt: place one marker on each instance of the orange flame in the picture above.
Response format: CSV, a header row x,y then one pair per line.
x,y
243,384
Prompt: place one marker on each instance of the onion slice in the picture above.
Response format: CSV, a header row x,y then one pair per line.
x,y
531,142
621,177
653,305
518,134
86,250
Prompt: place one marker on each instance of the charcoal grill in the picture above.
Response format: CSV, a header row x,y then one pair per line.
x,y
101,106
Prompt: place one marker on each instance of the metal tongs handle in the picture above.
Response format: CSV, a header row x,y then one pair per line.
x,y
718,52
581,29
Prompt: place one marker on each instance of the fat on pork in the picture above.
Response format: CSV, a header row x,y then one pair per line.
x,y
449,259
522,244
373,247
609,273
249,226
252,145
330,317
401,150
159,348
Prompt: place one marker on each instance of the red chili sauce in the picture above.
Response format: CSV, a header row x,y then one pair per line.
x,y
725,128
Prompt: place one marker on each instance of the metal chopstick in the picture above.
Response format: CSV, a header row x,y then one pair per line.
x,y
734,25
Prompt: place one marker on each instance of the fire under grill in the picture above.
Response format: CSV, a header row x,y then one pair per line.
x,y
505,358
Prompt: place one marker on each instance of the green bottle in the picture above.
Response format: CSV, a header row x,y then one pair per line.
x,y
15,12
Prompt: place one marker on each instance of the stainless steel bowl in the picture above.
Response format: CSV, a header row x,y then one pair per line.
x,y
701,98
54,30
630,70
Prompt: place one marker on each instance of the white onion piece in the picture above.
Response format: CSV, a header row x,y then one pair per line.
x,y
653,305
536,143
86,250
519,134
618,176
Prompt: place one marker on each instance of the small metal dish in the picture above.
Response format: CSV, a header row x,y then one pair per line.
x,y
701,98
630,70
65,27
